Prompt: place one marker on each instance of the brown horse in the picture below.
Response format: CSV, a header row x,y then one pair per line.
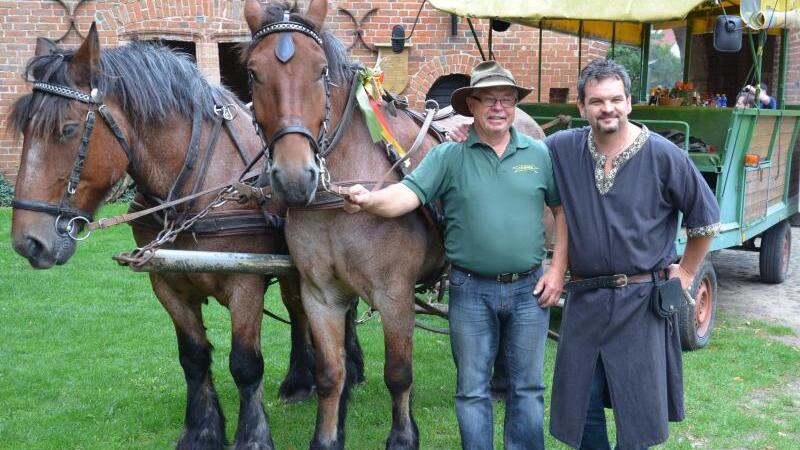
x,y
301,83
150,100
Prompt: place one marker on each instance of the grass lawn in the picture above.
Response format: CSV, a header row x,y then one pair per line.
x,y
88,360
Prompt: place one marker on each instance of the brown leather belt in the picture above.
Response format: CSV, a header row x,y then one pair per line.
x,y
578,283
502,277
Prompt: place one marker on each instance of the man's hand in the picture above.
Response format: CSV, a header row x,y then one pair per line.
x,y
678,271
391,201
357,198
459,133
549,288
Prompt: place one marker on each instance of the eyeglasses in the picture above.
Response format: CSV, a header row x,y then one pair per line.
x,y
507,102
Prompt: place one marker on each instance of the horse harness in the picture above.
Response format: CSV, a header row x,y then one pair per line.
x,y
69,219
333,194
330,195
284,51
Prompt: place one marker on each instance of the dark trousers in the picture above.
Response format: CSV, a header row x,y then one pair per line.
x,y
595,435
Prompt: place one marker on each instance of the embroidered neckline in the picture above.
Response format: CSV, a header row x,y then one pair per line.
x,y
604,182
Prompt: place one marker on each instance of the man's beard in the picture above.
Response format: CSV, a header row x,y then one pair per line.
x,y
611,129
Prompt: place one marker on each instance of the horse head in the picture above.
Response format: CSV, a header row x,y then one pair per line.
x,y
291,73
66,169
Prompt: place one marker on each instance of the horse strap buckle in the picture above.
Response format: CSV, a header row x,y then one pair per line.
x,y
225,111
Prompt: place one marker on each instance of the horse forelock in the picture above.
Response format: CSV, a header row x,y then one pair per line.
x,y
335,51
46,113
149,82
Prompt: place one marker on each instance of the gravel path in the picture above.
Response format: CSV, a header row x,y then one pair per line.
x,y
741,293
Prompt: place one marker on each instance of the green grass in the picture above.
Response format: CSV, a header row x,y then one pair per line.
x,y
88,360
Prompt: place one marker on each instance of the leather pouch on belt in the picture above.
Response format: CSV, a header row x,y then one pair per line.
x,y
666,297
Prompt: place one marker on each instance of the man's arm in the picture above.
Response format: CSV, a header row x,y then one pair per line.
x,y
391,201
766,100
551,284
693,255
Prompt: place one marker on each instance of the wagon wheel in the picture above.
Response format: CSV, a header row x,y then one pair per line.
x,y
697,321
794,220
775,253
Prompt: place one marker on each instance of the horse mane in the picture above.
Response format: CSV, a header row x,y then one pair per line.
x,y
339,63
151,82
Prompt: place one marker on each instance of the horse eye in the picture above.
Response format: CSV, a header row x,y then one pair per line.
x,y
252,75
324,72
69,130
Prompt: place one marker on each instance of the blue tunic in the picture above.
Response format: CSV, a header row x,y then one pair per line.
x,y
630,229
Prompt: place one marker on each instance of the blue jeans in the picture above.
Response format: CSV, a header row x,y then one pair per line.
x,y
595,436
482,310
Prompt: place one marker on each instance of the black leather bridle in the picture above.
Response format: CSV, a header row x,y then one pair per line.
x,y
319,144
68,218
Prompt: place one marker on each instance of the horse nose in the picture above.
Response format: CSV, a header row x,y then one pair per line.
x,y
33,249
312,175
294,188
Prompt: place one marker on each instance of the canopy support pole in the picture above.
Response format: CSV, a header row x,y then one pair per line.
x,y
687,52
644,62
580,46
784,65
613,39
475,37
539,73
489,49
762,38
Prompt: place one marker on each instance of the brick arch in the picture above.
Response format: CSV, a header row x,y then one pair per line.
x,y
432,70
200,22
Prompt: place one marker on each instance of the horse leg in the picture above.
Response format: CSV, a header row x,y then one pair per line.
x,y
328,330
355,357
298,384
247,364
204,425
398,328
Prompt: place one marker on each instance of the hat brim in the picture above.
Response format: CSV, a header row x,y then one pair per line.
x,y
458,99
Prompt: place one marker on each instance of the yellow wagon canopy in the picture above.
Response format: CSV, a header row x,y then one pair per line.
x,y
622,20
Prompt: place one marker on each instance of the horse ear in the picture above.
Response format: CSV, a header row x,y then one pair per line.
x,y
317,10
253,14
44,46
85,64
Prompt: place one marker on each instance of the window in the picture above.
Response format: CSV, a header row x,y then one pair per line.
x,y
444,86
233,74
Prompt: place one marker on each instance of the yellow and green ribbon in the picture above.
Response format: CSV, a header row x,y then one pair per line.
x,y
369,97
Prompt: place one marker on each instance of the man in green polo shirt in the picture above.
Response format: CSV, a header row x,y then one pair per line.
x,y
493,188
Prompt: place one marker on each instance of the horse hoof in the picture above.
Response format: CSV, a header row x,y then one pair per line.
x,y
297,395
201,439
408,440
253,446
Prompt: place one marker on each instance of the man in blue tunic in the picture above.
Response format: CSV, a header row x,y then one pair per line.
x,y
622,188
493,188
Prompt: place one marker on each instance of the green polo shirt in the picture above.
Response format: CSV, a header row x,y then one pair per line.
x,y
492,206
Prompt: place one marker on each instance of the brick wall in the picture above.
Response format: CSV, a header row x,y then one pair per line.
x,y
792,92
434,50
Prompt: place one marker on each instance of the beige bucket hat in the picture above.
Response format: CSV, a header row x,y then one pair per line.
x,y
485,75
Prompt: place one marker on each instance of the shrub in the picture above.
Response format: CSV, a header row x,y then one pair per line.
x,y
6,191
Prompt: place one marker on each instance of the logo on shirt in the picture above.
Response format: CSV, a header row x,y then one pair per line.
x,y
526,168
